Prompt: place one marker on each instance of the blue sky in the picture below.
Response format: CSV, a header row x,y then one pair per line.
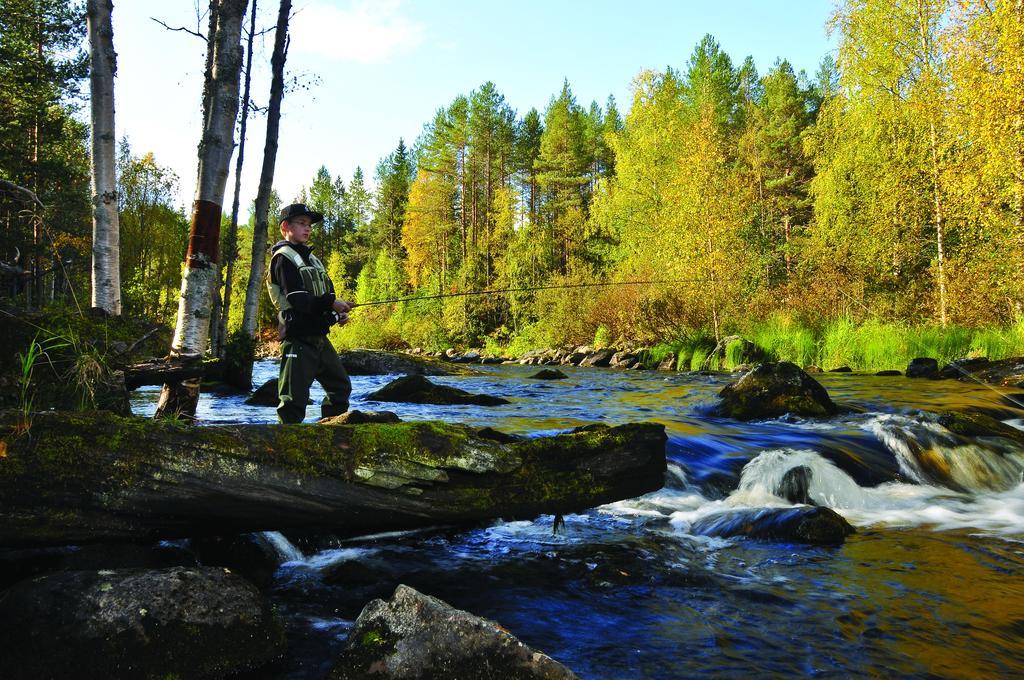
x,y
372,72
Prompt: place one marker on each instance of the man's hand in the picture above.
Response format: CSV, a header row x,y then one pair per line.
x,y
341,310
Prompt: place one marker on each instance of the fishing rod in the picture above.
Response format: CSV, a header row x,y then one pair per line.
x,y
525,289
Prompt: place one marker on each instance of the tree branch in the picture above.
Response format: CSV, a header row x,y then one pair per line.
x,y
180,28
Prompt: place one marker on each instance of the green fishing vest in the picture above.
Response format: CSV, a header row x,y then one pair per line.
x,y
314,277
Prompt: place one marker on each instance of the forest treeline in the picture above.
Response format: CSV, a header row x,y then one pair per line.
x,y
885,188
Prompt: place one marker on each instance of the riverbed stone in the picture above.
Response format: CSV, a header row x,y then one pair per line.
x,y
841,369
771,390
668,363
892,373
1004,372
549,374
413,635
923,367
804,524
416,389
132,623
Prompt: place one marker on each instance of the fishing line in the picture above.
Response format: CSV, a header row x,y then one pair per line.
x,y
496,291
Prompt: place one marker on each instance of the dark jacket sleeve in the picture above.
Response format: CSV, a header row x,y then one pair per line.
x,y
286,275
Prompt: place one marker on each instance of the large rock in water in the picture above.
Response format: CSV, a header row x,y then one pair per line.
x,y
923,367
375,362
413,635
816,525
415,389
772,390
178,622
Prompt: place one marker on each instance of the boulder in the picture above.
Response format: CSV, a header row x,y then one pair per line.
x,y
265,395
668,363
1005,372
177,622
795,485
811,368
415,389
814,525
923,367
359,417
413,635
376,362
842,369
600,358
889,373
774,389
549,374
573,358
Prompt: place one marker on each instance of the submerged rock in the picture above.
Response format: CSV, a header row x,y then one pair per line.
x,y
815,525
549,374
413,635
842,369
892,373
923,367
250,555
178,622
415,389
796,484
774,389
375,362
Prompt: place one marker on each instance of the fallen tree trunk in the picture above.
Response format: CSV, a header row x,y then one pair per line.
x,y
86,477
170,370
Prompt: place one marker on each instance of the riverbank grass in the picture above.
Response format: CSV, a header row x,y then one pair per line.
x,y
876,346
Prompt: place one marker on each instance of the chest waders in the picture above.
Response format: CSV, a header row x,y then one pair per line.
x,y
306,359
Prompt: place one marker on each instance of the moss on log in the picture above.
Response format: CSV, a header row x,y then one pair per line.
x,y
82,477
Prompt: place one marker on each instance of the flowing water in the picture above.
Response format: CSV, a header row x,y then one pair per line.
x,y
931,585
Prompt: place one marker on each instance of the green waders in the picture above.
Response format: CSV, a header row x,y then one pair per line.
x,y
302,361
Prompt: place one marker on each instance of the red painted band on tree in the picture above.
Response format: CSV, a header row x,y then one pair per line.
x,y
204,235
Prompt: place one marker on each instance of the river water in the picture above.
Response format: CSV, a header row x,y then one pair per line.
x,y
931,585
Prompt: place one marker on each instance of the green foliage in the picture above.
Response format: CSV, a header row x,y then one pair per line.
x,y
602,338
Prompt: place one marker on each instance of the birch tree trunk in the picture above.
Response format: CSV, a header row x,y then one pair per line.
x,y
106,251
259,237
221,312
220,109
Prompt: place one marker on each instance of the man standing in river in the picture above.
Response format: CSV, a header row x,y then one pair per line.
x,y
304,294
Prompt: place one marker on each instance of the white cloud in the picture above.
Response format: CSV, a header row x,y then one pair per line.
x,y
366,32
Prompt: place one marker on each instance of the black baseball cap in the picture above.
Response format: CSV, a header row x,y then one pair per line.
x,y
294,210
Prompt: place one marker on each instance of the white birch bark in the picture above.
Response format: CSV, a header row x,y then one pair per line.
x,y
106,250
192,329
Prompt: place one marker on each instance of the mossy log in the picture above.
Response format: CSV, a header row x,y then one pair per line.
x,y
85,477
